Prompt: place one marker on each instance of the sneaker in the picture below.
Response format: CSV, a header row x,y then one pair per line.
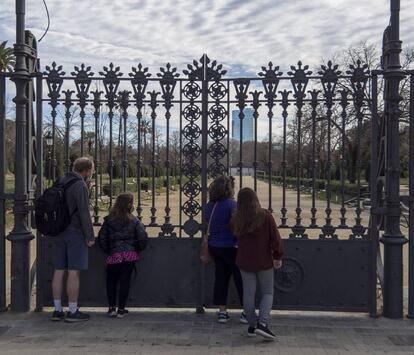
x,y
251,332
122,313
243,318
111,312
223,317
57,316
78,316
265,332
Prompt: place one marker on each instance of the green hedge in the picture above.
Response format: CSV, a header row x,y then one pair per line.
x,y
336,187
146,184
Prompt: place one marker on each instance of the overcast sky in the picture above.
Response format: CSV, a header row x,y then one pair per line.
x,y
241,34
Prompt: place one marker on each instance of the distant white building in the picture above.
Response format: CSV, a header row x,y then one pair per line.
x,y
247,171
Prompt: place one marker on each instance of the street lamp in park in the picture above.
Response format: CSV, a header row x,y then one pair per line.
x,y
90,143
49,144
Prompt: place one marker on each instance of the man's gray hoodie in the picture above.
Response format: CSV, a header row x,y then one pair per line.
x,y
77,198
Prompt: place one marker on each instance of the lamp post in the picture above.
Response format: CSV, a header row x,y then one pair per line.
x,y
49,144
392,238
90,143
21,234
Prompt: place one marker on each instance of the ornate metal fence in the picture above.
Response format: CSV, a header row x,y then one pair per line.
x,y
307,134
199,105
313,151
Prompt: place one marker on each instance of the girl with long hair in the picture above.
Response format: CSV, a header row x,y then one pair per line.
x,y
122,237
259,252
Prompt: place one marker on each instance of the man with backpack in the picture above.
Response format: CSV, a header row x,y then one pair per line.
x,y
70,251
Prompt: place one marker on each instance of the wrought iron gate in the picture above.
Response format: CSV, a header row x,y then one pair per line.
x,y
312,156
330,256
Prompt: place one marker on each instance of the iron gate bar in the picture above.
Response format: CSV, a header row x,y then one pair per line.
x,y
314,103
180,215
285,104
411,204
2,192
255,104
374,217
358,97
168,85
124,106
299,82
344,104
40,245
204,169
68,103
228,127
329,80
97,161
153,105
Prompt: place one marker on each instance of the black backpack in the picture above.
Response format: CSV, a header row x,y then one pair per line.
x,y
51,210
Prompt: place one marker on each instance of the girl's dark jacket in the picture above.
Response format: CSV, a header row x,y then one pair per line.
x,y
116,237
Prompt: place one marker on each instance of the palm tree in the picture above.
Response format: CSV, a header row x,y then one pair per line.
x,y
7,59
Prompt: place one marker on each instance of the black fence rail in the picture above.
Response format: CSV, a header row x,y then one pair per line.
x,y
153,135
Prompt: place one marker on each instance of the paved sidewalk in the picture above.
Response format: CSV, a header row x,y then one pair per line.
x,y
184,332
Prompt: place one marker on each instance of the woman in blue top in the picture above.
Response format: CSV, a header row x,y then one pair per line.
x,y
223,244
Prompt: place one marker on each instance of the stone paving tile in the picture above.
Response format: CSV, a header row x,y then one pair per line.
x,y
184,332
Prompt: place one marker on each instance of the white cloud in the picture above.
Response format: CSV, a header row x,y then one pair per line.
x,y
237,32
241,34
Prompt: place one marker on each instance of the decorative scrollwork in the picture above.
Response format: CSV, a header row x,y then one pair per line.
x,y
216,169
193,149
54,82
191,226
298,231
139,83
82,81
191,113
359,75
168,82
68,98
358,232
191,152
123,99
290,276
256,99
217,131
191,131
153,99
191,208
329,78
111,82
241,86
217,151
300,78
168,73
97,99
328,232
212,72
192,90
270,82
191,189
217,91
217,113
